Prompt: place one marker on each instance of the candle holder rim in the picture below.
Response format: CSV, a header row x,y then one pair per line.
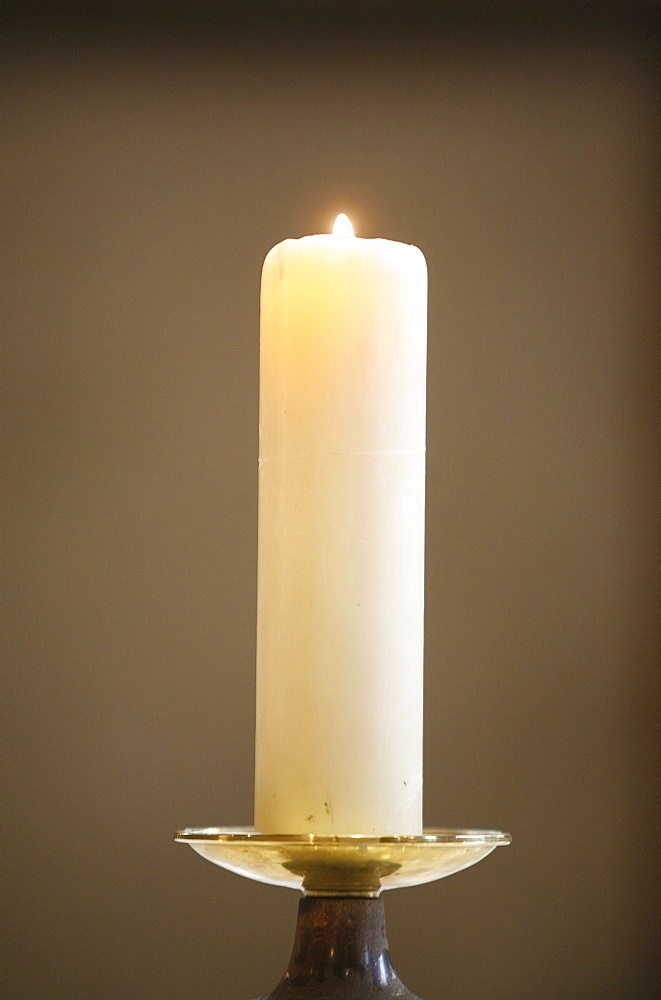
x,y
432,835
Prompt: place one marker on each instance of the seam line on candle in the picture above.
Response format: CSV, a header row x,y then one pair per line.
x,y
337,454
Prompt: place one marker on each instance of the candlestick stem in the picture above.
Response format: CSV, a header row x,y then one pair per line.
x,y
340,951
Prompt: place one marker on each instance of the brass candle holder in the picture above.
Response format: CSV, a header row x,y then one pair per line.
x,y
340,948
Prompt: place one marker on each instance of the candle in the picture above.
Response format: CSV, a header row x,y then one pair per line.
x,y
341,536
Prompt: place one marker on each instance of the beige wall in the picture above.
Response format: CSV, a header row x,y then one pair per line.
x,y
143,184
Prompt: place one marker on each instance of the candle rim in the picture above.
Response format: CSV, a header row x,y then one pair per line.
x,y
342,245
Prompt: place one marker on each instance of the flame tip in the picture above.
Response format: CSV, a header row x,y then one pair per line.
x,y
342,226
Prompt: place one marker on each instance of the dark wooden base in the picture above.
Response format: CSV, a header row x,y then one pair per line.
x,y
340,953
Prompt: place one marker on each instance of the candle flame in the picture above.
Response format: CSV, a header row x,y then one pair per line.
x,y
342,226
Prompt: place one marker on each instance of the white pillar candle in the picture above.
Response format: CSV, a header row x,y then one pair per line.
x,y
341,537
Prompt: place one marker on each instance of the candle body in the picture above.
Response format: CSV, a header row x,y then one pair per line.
x,y
341,538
